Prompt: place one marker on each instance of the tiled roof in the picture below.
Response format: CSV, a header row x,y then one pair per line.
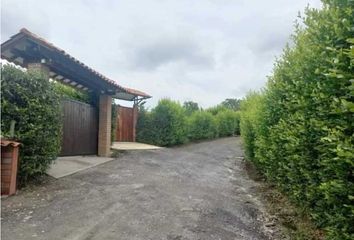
x,y
49,45
137,92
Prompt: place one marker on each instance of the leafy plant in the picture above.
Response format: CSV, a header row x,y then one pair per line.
x,y
170,124
202,125
228,123
300,130
69,92
144,127
29,99
165,125
232,104
190,107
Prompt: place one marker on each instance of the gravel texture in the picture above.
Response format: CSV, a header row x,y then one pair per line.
x,y
196,191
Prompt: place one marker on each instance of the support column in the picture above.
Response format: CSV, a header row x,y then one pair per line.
x,y
104,126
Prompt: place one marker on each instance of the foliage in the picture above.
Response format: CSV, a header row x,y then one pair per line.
x,y
202,125
165,125
300,130
190,107
169,124
251,108
232,104
69,92
215,110
114,125
228,123
30,100
144,127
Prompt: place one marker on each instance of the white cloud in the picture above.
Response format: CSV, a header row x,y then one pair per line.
x,y
203,51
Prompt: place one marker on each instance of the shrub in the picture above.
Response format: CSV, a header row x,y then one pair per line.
x,y
69,92
228,123
144,126
250,122
168,123
202,125
114,125
29,99
301,134
215,110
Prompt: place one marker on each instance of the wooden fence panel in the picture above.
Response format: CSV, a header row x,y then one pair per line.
x,y
125,124
80,128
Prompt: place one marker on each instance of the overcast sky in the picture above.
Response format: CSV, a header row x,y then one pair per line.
x,y
204,51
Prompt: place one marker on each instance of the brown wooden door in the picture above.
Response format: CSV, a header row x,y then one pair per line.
x,y
125,124
80,128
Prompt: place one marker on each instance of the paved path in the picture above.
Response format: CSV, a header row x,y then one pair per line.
x,y
133,146
198,191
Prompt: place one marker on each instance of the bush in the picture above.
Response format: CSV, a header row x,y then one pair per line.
x,y
215,110
144,126
114,125
167,124
170,124
69,92
29,99
300,130
250,122
202,125
228,123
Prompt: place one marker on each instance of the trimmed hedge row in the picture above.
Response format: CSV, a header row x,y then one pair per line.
x,y
300,130
171,124
30,100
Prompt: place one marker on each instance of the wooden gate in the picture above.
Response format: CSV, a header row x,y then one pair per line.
x,y
80,128
126,119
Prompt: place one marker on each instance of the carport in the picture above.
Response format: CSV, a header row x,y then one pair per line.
x,y
86,128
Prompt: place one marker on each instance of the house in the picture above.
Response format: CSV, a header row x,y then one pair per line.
x,y
86,128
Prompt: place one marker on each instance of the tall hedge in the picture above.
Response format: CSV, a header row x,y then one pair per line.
x,y
144,127
165,125
29,99
202,125
170,124
228,123
300,130
250,123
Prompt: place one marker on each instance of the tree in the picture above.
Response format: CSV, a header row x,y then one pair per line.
x,y
190,107
231,103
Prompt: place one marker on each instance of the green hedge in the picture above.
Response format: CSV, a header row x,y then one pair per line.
x,y
31,101
300,130
69,92
228,123
170,124
144,127
202,125
164,126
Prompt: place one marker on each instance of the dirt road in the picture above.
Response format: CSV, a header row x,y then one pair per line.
x,y
197,191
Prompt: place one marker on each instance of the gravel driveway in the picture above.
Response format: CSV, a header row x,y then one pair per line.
x,y
197,191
